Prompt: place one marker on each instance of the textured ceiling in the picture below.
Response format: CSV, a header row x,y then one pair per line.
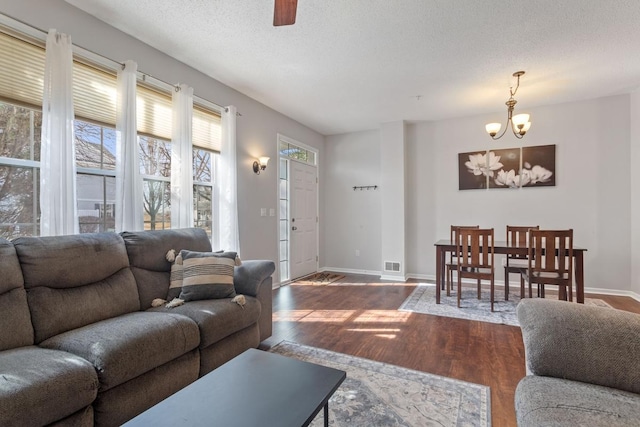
x,y
349,65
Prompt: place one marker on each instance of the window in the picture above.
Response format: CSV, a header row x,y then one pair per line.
x,y
21,71
284,219
155,168
95,179
19,166
293,151
203,189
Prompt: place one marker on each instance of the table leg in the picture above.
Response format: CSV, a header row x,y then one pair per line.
x,y
579,276
326,414
439,275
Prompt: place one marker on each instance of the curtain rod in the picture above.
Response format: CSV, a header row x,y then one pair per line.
x,y
40,34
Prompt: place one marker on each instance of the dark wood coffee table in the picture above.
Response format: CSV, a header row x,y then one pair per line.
x,y
256,388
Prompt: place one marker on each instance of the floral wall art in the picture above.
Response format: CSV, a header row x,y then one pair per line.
x,y
508,168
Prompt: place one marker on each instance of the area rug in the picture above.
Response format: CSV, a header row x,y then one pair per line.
x,y
378,394
319,279
423,300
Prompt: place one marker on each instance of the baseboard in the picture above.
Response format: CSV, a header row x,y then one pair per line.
x,y
615,292
349,271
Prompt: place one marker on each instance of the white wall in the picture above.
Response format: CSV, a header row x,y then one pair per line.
x,y
634,160
392,197
352,218
256,130
591,195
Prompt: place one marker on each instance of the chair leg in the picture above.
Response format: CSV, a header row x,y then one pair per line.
x,y
541,290
492,293
521,286
449,279
459,288
506,284
530,292
479,290
570,292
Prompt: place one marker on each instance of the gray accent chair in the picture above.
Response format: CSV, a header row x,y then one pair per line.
x,y
582,364
80,344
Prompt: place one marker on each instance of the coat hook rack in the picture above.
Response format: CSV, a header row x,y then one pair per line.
x,y
365,187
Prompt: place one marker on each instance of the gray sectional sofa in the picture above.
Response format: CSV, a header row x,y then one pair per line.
x,y
583,364
80,344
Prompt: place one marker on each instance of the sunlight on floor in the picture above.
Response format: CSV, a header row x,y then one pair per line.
x,y
378,332
341,316
382,316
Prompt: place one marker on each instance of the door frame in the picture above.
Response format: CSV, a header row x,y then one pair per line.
x,y
283,138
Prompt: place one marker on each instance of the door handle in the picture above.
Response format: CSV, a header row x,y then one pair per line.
x,y
294,228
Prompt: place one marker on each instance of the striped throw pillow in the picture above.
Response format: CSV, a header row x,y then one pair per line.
x,y
207,275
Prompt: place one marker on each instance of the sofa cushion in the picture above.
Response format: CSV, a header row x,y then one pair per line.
x,y
127,346
73,281
217,318
547,401
16,330
43,386
147,255
207,275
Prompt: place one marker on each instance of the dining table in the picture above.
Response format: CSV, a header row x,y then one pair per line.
x,y
507,248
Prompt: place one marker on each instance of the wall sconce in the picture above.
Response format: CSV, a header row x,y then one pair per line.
x,y
520,123
260,164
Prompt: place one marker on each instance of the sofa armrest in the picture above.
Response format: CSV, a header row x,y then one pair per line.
x,y
595,345
248,276
254,278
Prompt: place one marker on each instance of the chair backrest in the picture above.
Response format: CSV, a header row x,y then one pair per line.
x,y
519,236
551,251
454,236
475,246
455,228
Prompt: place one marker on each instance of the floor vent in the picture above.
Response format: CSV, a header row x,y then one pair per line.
x,y
391,266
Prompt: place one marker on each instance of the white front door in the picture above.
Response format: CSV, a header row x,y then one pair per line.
x,y
303,224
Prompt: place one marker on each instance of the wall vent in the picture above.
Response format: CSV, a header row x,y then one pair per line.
x,y
391,266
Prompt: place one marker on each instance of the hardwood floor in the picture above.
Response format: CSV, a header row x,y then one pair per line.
x,y
358,315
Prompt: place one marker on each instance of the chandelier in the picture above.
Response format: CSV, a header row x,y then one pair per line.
x,y
520,123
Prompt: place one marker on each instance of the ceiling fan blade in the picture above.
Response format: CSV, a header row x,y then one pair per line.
x,y
284,12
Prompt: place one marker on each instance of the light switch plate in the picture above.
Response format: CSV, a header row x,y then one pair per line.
x,y
272,212
263,211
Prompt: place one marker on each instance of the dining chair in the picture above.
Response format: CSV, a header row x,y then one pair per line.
x,y
451,265
476,258
514,263
550,261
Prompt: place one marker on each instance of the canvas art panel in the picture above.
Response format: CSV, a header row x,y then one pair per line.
x,y
471,170
508,175
539,166
507,168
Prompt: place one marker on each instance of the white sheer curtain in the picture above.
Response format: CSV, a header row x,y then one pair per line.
x,y
129,215
57,153
181,158
226,183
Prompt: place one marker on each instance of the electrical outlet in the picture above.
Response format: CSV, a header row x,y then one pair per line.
x,y
272,212
263,211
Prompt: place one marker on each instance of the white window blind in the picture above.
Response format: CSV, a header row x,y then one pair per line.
x,y
21,80
206,129
21,71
